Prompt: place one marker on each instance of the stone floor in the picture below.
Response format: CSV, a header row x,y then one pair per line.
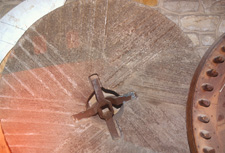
x,y
202,20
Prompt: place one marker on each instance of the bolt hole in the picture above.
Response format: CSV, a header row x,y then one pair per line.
x,y
205,134
204,102
207,87
218,59
203,118
212,73
208,150
223,49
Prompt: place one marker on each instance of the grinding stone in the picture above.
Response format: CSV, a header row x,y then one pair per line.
x,y
131,46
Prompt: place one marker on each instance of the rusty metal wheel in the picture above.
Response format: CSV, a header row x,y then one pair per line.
x,y
206,105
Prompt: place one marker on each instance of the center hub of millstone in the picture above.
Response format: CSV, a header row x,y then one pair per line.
x,y
106,102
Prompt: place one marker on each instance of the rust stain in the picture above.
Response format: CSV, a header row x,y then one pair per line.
x,y
39,44
148,2
73,40
3,144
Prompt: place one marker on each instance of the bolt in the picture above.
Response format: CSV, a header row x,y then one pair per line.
x,y
203,118
207,87
218,59
205,134
204,102
212,73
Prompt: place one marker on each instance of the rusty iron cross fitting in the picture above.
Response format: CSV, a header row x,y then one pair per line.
x,y
104,106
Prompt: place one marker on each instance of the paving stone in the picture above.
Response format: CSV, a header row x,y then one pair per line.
x,y
174,18
194,38
222,27
213,6
201,51
207,40
180,6
199,23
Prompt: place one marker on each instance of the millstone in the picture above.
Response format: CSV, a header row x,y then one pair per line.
x,y
133,48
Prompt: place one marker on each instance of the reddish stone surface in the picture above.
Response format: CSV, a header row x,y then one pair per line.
x,y
39,44
4,148
41,106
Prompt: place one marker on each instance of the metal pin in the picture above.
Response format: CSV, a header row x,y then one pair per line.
x,y
203,118
205,134
218,59
204,102
212,73
207,87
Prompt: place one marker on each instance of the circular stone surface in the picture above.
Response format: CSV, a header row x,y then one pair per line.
x,y
131,46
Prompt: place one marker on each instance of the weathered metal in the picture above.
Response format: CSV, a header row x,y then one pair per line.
x,y
104,106
206,105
